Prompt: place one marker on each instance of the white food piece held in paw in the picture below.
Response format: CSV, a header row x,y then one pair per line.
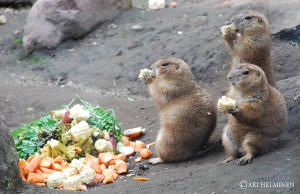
x,y
225,28
226,104
144,73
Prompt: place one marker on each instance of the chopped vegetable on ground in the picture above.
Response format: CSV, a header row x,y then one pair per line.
x,y
75,147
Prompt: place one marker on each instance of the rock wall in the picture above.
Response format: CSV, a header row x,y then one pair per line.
x,y
10,178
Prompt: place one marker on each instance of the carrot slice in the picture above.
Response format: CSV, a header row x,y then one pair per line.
x,y
125,140
108,179
141,179
35,178
106,172
45,175
94,164
121,157
46,163
41,184
78,150
99,177
89,156
57,167
30,158
47,170
139,145
22,164
111,162
58,160
33,164
38,171
104,158
82,188
121,166
65,164
102,167
145,153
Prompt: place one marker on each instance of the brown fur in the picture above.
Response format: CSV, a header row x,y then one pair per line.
x,y
187,113
260,115
254,44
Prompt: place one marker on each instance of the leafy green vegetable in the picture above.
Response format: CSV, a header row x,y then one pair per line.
x,y
30,138
103,119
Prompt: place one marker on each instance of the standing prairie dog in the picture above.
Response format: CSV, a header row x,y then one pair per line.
x,y
249,41
187,113
259,116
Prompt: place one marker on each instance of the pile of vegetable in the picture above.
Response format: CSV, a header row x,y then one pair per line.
x,y
77,126
76,146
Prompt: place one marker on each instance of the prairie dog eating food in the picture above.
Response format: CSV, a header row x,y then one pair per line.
x,y
187,113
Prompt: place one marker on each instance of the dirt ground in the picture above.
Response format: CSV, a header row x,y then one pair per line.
x,y
103,68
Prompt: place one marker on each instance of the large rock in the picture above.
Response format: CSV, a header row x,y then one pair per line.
x,y
50,22
10,178
16,2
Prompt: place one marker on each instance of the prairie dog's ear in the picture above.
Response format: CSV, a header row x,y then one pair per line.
x,y
260,21
177,66
258,73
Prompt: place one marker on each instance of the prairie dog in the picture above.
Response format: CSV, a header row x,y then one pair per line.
x,y
249,41
260,114
187,113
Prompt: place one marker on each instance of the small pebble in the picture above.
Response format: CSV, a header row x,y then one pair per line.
x,y
2,19
137,28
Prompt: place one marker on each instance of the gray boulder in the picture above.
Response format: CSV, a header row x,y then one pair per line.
x,y
51,22
10,178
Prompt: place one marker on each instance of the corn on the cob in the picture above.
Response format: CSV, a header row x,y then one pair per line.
x,y
55,179
73,182
70,171
225,104
80,131
102,145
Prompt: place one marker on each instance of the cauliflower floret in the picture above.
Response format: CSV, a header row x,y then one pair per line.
x,y
73,182
226,104
87,174
55,179
77,164
78,113
70,171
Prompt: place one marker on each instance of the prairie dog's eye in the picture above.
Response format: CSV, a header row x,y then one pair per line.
x,y
164,64
245,72
248,17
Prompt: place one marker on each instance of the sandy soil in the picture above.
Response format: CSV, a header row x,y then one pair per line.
x,y
103,68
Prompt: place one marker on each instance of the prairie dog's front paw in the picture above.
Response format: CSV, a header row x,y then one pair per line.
x,y
146,74
226,104
234,112
229,31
